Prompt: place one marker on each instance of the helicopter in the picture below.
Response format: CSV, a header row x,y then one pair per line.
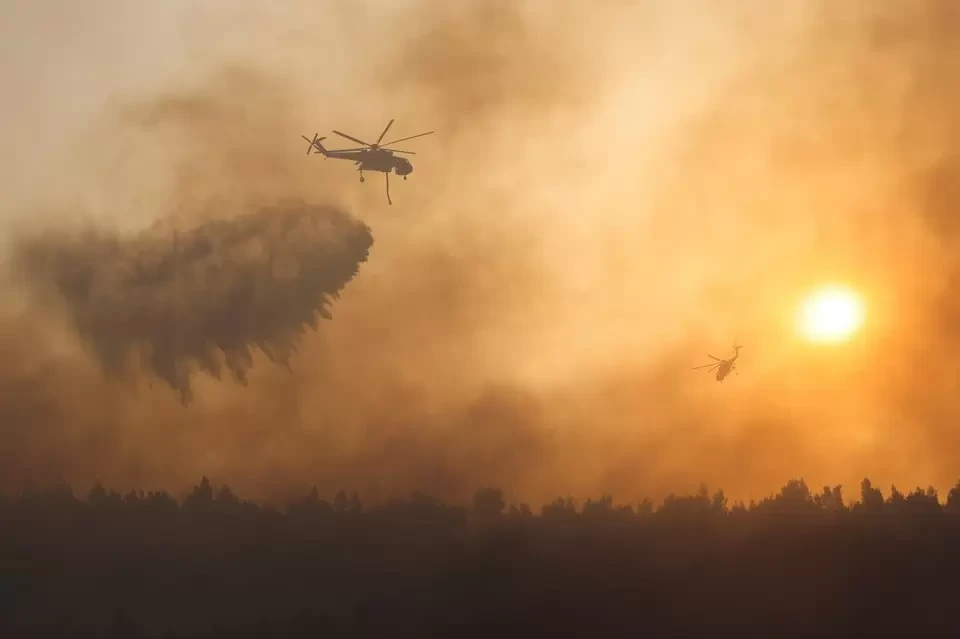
x,y
722,366
369,157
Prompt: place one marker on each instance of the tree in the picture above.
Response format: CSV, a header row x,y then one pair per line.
x,y
645,507
201,498
719,502
870,497
162,501
488,503
98,494
795,491
690,506
340,501
831,499
99,497
953,499
519,510
794,498
625,510
561,508
600,508
923,501
310,506
354,505
896,501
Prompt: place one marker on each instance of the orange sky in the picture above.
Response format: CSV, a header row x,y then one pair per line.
x,y
614,190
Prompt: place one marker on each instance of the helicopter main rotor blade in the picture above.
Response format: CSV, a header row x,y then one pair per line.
x,y
384,132
696,368
712,357
350,137
346,150
397,151
419,135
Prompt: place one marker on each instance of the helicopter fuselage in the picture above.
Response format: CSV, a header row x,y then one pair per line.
x,y
727,365
378,161
723,370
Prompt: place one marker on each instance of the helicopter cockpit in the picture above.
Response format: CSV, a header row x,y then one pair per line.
x,y
403,167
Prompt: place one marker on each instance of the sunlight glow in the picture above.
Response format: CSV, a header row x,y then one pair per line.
x,y
831,314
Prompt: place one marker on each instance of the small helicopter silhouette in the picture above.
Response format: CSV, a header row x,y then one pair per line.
x,y
370,157
722,366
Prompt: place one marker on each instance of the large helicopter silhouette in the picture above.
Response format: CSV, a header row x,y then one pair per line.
x,y
370,157
722,366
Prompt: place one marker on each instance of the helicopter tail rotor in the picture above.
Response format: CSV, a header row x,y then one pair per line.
x,y
315,144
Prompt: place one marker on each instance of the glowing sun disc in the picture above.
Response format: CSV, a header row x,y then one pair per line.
x,y
831,314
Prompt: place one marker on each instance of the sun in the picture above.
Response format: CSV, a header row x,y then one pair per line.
x,y
831,314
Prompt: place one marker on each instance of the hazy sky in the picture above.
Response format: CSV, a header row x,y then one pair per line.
x,y
614,190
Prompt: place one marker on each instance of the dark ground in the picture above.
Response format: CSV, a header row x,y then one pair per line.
x,y
798,564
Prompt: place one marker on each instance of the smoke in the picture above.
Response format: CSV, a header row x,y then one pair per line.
x,y
204,298
614,190
474,65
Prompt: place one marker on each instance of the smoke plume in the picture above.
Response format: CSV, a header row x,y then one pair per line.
x,y
206,297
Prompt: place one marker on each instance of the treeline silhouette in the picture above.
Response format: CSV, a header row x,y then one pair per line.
x,y
798,563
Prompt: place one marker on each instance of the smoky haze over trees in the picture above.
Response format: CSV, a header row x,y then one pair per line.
x,y
800,562
615,188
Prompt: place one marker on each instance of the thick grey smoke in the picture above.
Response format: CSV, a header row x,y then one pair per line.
x,y
205,298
